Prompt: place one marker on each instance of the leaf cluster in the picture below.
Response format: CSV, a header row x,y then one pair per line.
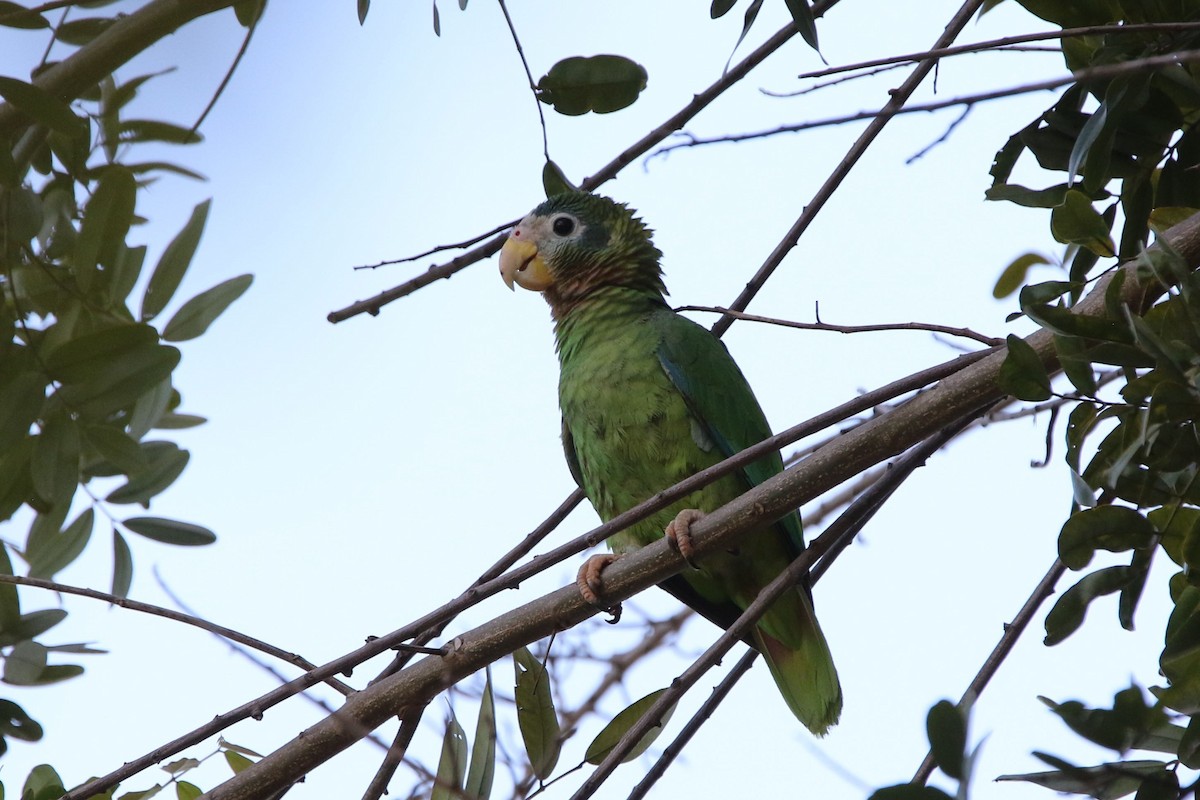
x,y
87,348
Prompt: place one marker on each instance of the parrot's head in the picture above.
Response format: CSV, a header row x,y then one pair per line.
x,y
576,243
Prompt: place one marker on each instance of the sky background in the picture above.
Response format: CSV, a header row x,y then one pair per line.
x,y
360,475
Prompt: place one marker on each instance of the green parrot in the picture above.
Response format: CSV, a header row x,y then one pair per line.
x,y
648,398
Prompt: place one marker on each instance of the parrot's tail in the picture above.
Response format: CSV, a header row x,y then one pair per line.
x,y
805,674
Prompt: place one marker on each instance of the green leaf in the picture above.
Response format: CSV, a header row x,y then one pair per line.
x,y
10,604
41,783
16,723
116,447
483,750
41,106
81,31
802,16
1029,198
616,729
48,555
946,726
55,464
555,181
133,131
720,8
536,716
13,15
197,314
1022,374
122,566
1104,781
909,791
249,12
1076,222
452,765
236,761
166,461
21,398
1107,527
363,7
149,409
25,664
124,380
184,790
180,766
1014,274
32,625
170,531
174,263
602,84
106,221
1069,612
747,22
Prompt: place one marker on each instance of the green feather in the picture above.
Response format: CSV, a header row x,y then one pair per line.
x,y
649,398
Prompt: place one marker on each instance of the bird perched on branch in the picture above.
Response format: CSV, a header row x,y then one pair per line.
x,y
649,398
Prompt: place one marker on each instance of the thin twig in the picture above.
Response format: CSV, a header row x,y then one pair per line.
x,y
1105,72
990,341
442,247
894,104
528,74
237,60
1012,632
377,788
924,151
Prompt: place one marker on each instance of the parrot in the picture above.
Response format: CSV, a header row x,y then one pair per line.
x,y
648,398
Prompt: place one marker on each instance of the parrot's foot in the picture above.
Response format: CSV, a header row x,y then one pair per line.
x,y
679,534
591,584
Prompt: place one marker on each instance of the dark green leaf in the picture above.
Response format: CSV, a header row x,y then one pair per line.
x,y
124,380
174,263
437,20
802,16
1014,274
81,31
21,397
170,531
616,729
747,22
483,750
1022,374
55,464
90,356
535,713
164,166
602,84
32,625
48,555
149,409
1076,222
555,181
720,8
1104,782
41,783
106,221
452,766
946,726
1189,745
1108,527
909,791
1030,198
1073,356
116,448
363,7
1037,294
40,106
132,131
13,15
16,723
125,273
1163,786
249,11
173,421
122,566
1068,613
166,462
197,314
10,604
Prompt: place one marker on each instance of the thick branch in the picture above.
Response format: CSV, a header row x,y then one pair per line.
x,y
125,38
951,400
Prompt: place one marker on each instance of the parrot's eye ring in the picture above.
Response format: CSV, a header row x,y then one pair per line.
x,y
563,226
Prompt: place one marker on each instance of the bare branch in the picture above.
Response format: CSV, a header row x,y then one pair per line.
x,y
1104,72
377,788
967,333
894,104
512,29
442,247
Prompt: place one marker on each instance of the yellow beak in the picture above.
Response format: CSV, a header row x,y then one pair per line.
x,y
521,263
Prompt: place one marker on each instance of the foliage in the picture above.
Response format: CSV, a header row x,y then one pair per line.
x,y
86,362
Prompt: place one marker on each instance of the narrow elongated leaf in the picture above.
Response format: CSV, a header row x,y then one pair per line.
x,y
174,263
363,7
13,15
602,84
106,221
41,106
1104,781
482,769
1076,222
124,381
452,765
122,566
1069,612
131,131
720,8
802,16
114,445
10,604
81,31
167,461
33,625
535,713
21,399
1107,527
197,314
55,464
170,531
1023,375
616,729
909,791
1014,274
48,555
236,761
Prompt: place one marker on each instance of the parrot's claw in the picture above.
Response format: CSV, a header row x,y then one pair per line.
x,y
679,534
591,584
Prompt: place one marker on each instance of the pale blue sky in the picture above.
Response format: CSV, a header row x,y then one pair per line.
x,y
360,475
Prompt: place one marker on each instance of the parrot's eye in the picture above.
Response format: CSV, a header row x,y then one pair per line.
x,y
563,226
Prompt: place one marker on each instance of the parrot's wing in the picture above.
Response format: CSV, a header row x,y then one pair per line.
x,y
569,450
721,401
